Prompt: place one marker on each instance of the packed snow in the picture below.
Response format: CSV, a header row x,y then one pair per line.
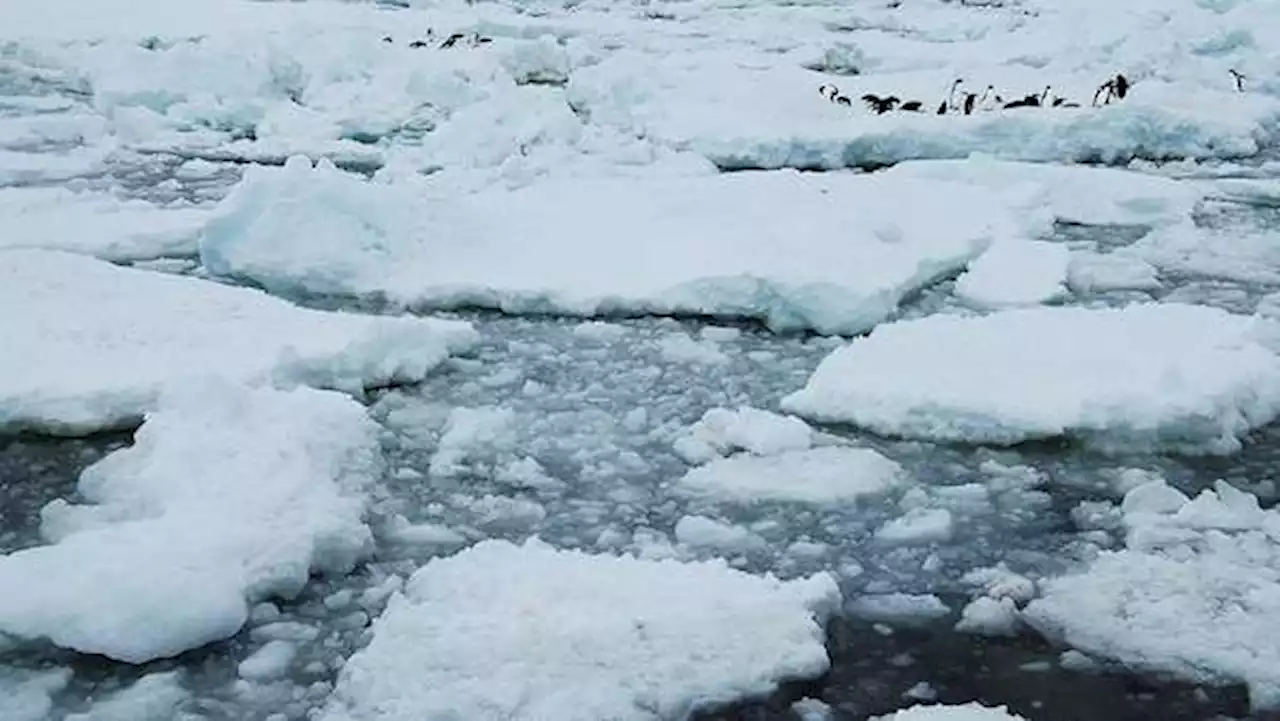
x,y
829,474
109,339
1194,593
228,495
834,253
1143,375
98,224
502,631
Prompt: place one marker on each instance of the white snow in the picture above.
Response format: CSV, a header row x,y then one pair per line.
x,y
963,712
25,695
1073,194
97,224
1016,272
722,431
1194,593
228,495
703,532
106,340
269,662
501,631
763,112
831,252
1146,374
826,475
154,697
918,526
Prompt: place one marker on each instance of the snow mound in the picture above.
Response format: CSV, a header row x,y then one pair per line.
x,y
830,474
106,340
97,224
834,253
1195,593
227,496
501,631
1016,272
963,712
760,113
1191,377
722,431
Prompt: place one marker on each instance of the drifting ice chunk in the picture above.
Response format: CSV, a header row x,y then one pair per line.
x,y
1016,272
529,632
964,712
97,224
1168,374
154,697
1196,592
24,695
228,495
1089,271
722,431
817,475
835,253
106,340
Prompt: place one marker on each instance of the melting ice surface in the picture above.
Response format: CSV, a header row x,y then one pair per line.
x,y
308,503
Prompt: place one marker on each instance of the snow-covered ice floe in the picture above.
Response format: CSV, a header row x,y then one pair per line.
x,y
963,712
1073,194
228,495
1195,593
829,252
752,112
527,632
88,345
98,224
1166,375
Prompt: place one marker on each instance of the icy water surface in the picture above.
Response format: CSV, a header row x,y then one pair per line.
x,y
596,406
583,458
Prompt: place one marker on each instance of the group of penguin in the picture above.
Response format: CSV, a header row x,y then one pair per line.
x,y
961,102
472,40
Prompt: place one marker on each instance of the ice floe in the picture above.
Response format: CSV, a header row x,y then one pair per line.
x,y
1016,272
963,712
89,345
830,474
98,224
1169,374
756,112
501,631
833,252
229,494
1074,194
1194,593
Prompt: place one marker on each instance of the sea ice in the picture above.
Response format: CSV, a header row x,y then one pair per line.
x,y
1150,374
89,345
830,474
97,224
833,252
963,712
228,495
501,631
1016,272
1194,593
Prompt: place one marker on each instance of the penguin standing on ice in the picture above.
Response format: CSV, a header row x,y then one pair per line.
x,y
1238,78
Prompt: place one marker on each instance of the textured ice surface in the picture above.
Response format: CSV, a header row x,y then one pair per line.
x,y
501,631
834,253
228,495
1149,374
108,339
1194,592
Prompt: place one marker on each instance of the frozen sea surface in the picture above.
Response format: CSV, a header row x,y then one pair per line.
x,y
123,125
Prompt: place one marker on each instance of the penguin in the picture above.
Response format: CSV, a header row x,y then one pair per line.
x,y
1239,78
